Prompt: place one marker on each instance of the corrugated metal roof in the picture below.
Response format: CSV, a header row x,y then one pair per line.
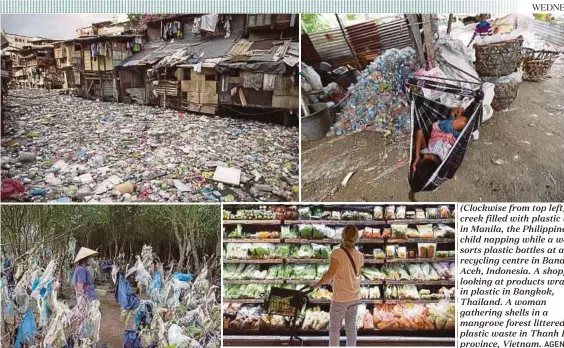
x,y
191,51
240,48
260,51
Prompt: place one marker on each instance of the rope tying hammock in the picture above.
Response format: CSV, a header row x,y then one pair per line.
x,y
425,112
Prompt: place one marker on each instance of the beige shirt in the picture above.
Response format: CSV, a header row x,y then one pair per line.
x,y
346,285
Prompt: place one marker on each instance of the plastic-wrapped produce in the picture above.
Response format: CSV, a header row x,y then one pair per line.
x,y
399,231
283,251
304,212
400,212
305,251
360,315
425,231
444,212
415,271
370,292
273,272
432,213
378,212
373,273
408,292
390,212
304,272
368,321
443,231
288,232
321,251
374,293
321,270
429,272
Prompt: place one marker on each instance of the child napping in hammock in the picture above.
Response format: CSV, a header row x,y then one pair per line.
x,y
430,155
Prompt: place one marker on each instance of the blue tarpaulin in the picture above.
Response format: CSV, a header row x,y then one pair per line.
x,y
124,294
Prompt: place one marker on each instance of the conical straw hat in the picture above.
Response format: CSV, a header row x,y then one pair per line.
x,y
84,253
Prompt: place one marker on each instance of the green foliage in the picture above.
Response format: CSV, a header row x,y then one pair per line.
x,y
544,17
352,16
113,229
134,17
313,22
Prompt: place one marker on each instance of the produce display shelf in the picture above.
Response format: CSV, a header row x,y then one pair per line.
x,y
253,281
337,241
250,240
337,222
362,282
316,241
371,241
362,300
372,338
305,281
326,301
366,261
374,261
307,260
420,221
243,300
435,259
420,240
252,222
421,282
259,261
395,301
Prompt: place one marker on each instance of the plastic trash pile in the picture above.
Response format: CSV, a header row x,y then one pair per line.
x,y
182,309
377,100
62,148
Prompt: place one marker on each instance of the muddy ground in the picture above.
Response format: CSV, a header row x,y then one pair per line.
x,y
518,157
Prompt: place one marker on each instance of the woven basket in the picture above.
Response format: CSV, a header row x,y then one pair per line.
x,y
498,58
505,94
536,70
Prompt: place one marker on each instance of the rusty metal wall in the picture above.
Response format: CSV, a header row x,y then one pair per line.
x,y
308,53
552,33
332,47
368,40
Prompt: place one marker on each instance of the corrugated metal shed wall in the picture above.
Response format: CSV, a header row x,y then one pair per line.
x,y
552,33
368,40
308,53
332,47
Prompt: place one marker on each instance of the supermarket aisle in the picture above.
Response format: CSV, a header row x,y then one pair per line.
x,y
407,287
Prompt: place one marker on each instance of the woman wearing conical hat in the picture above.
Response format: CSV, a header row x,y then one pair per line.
x,y
82,279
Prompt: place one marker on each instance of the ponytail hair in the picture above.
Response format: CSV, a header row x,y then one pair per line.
x,y
350,237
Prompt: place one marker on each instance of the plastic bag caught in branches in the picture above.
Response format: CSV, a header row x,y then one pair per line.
x,y
142,277
147,256
39,287
177,338
71,248
89,328
55,335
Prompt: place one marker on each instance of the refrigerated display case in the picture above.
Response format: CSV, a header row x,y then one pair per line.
x,y
408,278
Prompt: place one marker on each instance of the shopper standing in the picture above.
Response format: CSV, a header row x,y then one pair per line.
x,y
344,270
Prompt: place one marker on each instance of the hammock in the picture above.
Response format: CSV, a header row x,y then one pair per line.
x,y
425,112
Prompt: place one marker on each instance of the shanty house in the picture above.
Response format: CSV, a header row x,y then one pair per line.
x,y
35,66
261,70
97,57
175,67
69,62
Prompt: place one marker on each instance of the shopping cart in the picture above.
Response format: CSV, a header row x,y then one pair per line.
x,y
288,303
